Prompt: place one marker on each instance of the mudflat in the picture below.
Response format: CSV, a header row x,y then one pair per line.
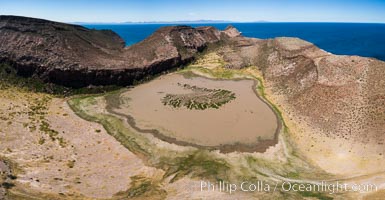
x,y
202,111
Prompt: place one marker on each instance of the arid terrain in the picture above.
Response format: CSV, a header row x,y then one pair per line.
x,y
59,143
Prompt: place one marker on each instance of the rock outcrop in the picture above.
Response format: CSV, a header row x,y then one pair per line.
x,y
231,31
75,56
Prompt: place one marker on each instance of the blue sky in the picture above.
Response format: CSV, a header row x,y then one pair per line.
x,y
172,10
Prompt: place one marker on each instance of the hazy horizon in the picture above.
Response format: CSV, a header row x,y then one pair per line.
x,y
201,21
119,11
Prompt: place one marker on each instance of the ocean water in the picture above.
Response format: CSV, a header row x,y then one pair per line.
x,y
338,38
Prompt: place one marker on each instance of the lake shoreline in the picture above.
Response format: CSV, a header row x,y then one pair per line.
x,y
261,146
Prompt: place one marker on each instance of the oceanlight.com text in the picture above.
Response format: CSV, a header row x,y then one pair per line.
x,y
286,186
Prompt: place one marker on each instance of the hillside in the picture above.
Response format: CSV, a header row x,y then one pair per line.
x,y
75,56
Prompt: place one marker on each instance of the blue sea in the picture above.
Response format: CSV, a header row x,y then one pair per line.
x,y
339,38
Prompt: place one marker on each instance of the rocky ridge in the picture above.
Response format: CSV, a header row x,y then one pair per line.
x,y
75,56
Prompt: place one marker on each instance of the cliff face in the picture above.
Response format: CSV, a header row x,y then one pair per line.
x,y
76,56
39,47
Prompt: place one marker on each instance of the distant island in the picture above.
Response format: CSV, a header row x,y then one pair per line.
x,y
202,21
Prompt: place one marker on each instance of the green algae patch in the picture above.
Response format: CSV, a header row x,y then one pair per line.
x,y
143,187
198,164
200,98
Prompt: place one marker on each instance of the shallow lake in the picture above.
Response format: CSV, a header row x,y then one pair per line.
x,y
242,119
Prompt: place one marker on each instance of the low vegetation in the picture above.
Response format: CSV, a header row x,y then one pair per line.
x,y
199,99
143,187
9,79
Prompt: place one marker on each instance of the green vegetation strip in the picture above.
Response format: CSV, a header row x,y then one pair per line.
x,y
200,99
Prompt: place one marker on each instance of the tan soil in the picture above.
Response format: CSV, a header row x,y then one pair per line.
x,y
100,167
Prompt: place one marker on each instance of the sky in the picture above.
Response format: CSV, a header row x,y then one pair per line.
x,y
178,10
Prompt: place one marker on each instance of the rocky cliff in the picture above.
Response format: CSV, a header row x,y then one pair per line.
x,y
75,56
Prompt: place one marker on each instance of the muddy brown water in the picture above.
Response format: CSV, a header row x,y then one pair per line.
x,y
246,123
